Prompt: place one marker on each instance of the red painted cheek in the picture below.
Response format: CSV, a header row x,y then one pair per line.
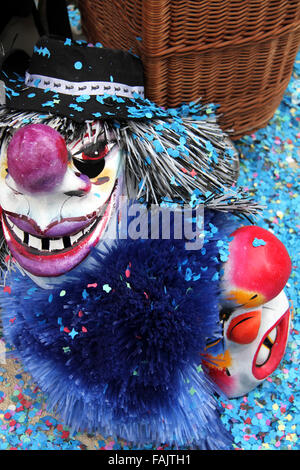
x,y
243,329
226,383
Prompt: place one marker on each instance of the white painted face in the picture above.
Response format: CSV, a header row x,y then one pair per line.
x,y
254,344
57,201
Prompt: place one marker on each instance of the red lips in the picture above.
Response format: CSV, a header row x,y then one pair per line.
x,y
277,350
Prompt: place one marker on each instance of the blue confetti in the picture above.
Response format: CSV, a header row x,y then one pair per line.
x,y
76,107
73,333
84,294
44,51
78,65
157,145
258,242
48,103
82,98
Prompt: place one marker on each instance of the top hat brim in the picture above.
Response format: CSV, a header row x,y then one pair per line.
x,y
56,61
22,97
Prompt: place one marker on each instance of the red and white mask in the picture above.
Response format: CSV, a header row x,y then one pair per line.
x,y
254,344
57,201
255,312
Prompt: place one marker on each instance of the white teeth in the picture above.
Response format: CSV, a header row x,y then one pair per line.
x,y
272,335
9,223
18,232
265,349
46,244
262,355
35,242
57,244
75,237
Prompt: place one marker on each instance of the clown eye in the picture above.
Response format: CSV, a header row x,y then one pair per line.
x,y
90,159
90,168
93,151
243,329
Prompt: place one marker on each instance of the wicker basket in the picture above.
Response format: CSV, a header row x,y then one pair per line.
x,y
238,54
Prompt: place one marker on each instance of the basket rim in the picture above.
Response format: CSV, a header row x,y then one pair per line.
x,y
260,37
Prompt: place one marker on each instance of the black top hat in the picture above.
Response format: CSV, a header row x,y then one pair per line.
x,y
80,81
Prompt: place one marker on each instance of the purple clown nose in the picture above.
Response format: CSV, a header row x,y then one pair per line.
x,y
37,158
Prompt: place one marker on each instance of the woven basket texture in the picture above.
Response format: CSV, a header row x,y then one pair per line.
x,y
238,54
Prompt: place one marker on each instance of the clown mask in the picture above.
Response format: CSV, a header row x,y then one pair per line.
x,y
255,312
254,343
57,201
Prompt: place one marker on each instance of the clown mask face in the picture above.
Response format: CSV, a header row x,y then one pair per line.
x,y
57,201
254,312
254,344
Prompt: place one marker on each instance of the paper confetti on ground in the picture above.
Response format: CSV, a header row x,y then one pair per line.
x,y
268,418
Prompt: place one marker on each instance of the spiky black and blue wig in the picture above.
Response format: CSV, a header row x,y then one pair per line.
x,y
118,350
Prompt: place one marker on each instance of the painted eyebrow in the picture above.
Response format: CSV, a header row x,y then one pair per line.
x,y
242,321
91,147
95,146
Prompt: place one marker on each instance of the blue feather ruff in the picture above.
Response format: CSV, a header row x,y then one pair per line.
x,y
117,349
